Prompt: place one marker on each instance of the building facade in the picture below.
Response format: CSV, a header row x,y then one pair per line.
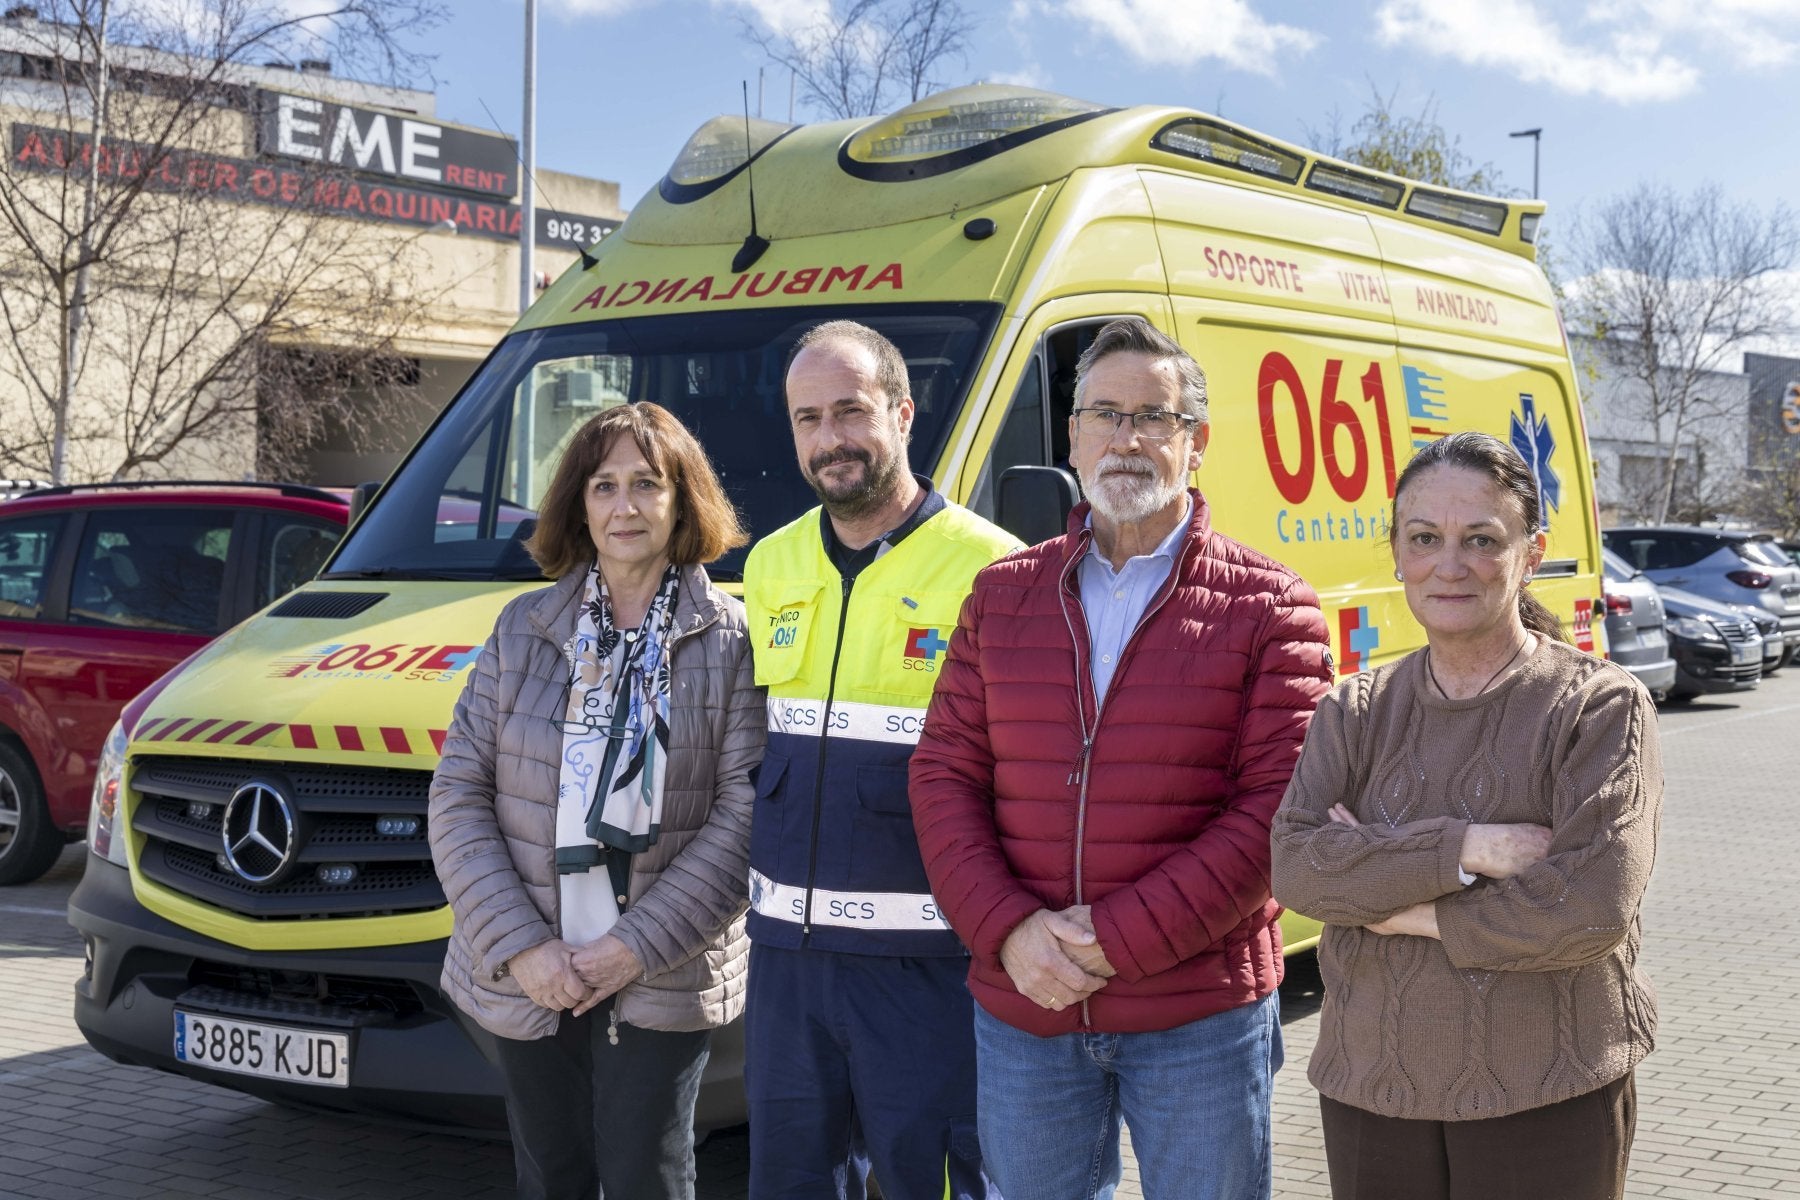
x,y
280,233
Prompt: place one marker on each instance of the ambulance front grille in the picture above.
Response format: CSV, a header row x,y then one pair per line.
x,y
358,841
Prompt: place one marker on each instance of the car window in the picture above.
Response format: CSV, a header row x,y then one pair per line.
x,y
27,546
1762,553
1615,567
293,551
152,568
1651,550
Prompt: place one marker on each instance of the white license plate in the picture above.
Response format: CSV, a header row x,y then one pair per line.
x,y
1745,653
268,1051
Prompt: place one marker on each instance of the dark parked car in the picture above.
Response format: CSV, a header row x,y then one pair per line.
x,y
1715,649
1723,566
102,589
1635,638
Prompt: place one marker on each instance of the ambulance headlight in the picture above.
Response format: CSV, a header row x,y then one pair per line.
x,y
958,127
105,827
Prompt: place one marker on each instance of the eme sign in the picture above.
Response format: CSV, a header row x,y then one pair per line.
x,y
366,139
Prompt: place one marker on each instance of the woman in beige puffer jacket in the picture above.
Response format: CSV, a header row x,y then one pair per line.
x,y
602,1044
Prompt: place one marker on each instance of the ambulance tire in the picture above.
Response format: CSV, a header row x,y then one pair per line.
x,y
29,843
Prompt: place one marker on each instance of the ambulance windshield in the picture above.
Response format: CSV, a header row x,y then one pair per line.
x,y
461,506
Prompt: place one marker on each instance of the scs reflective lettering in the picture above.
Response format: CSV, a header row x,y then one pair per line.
x,y
853,910
912,724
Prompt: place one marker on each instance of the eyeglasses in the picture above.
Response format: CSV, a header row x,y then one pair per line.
x,y
1155,425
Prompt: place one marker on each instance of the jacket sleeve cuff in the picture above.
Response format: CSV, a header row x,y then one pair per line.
x,y
633,940
526,936
998,925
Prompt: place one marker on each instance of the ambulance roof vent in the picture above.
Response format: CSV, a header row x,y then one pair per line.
x,y
716,153
956,128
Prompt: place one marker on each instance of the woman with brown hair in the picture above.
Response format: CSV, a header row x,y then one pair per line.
x,y
590,817
1475,824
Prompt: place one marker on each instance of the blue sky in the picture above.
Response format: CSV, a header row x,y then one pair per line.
x,y
1680,91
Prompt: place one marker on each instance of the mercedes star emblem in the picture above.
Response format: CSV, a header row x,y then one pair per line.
x,y
260,834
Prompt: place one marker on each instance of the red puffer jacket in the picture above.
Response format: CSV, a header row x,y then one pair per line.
x,y
1185,767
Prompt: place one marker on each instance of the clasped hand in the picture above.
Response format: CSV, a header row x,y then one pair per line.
x,y
1054,958
559,976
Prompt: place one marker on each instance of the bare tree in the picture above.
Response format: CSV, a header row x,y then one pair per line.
x,y
1414,146
854,62
1672,289
135,299
1771,497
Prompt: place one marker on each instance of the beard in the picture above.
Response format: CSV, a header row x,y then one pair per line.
x,y
853,499
1125,490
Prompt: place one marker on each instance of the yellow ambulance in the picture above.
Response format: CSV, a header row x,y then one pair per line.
x,y
1343,317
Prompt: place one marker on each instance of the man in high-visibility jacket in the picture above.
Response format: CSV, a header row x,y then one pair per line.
x,y
860,1049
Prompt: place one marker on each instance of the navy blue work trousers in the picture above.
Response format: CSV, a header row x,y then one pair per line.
x,y
857,1062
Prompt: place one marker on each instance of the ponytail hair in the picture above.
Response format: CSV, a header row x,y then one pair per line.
x,y
1502,466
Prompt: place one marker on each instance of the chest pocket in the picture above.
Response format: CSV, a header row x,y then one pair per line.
x,y
783,617
913,643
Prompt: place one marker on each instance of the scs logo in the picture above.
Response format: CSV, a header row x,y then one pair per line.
x,y
922,648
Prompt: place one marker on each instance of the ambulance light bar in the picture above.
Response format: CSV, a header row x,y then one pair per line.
x,y
718,150
955,128
1483,216
1528,227
1354,185
1193,137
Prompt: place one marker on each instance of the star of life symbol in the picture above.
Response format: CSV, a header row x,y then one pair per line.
x,y
1536,444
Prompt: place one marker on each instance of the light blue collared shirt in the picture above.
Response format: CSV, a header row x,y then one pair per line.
x,y
1114,601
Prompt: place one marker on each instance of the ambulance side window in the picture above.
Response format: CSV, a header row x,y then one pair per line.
x,y
1020,442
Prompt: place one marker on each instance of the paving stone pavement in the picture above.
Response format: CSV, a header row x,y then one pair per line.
x,y
1719,1100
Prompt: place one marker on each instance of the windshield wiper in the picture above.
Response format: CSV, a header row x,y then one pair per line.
x,y
408,573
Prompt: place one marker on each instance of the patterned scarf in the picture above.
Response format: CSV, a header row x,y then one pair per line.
x,y
616,731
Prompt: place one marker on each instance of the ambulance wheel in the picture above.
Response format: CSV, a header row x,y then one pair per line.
x,y
29,843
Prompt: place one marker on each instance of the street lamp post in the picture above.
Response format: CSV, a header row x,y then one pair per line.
x,y
1537,139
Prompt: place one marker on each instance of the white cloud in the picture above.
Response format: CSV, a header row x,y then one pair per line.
x,y
783,18
1628,51
1184,32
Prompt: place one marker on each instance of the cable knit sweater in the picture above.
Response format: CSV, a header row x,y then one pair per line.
x,y
1533,995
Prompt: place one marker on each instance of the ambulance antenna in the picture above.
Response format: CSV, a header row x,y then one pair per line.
x,y
754,245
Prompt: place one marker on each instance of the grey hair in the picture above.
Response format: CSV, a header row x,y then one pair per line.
x,y
1134,335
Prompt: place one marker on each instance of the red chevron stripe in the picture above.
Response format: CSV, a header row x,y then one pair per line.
x,y
349,738
226,731
395,740
197,728
174,724
437,739
146,728
303,737
256,735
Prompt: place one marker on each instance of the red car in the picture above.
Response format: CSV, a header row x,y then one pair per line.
x,y
102,589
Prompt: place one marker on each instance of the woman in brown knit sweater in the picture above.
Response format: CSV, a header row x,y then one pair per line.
x,y
1475,824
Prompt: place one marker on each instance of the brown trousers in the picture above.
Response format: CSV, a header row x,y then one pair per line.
x,y
1577,1149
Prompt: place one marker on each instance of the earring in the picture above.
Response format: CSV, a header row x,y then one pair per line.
x,y
1398,577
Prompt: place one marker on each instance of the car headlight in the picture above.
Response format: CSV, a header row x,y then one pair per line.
x,y
1695,629
109,786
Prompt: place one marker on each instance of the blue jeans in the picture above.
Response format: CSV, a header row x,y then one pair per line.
x,y
1196,1098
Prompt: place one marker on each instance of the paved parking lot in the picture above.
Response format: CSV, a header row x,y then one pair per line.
x,y
1720,1109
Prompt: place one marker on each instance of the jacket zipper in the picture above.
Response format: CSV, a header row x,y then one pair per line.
x,y
1082,679
812,853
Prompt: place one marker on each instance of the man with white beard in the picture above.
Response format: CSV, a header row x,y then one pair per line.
x,y
1116,724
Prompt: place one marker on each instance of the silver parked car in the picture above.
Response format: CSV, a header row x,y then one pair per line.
x,y
1635,638
1725,566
